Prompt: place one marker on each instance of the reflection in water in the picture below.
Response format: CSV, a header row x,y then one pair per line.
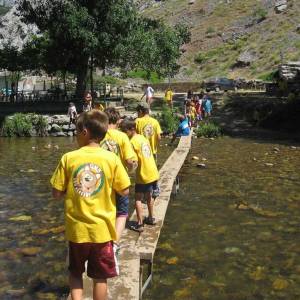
x,y
32,244
233,231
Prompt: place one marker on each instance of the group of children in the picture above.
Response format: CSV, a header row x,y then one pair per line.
x,y
197,107
94,182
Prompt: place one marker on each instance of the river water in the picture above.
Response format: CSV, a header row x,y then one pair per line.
x,y
231,233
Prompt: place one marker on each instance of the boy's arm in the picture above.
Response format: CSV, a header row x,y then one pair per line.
x,y
59,180
121,182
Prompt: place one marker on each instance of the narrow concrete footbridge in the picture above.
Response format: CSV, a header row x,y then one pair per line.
x,y
137,250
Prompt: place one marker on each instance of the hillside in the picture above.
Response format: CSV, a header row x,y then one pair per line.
x,y
231,37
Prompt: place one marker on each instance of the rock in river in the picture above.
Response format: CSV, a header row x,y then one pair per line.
x,y
31,251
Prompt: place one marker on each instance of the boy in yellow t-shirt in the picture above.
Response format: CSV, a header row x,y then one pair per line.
x,y
169,97
88,178
118,142
148,127
146,175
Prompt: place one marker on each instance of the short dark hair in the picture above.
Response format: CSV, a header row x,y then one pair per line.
x,y
113,115
95,121
127,125
142,109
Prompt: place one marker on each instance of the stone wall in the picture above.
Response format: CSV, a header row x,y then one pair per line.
x,y
59,126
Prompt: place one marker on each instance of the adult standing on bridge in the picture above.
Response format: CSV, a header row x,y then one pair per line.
x,y
148,127
149,92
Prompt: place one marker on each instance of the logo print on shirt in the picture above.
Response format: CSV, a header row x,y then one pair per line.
x,y
148,130
111,146
146,150
88,180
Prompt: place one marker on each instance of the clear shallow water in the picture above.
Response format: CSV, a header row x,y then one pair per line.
x,y
208,249
32,245
233,231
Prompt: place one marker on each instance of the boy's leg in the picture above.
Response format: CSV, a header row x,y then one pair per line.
x,y
100,289
78,254
150,203
120,226
122,214
76,287
139,207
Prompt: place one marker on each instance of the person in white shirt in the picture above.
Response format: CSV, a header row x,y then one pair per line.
x,y
72,113
149,92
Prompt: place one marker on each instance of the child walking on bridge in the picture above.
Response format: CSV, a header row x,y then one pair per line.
x,y
88,179
146,175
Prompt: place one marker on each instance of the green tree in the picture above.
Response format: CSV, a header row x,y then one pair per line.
x,y
76,34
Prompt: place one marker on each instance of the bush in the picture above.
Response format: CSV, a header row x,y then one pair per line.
x,y
202,57
210,30
152,78
260,13
22,125
270,76
168,120
208,130
106,79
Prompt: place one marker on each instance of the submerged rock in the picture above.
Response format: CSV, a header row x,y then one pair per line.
x,y
202,166
269,164
280,284
232,250
31,251
16,293
258,274
23,218
173,260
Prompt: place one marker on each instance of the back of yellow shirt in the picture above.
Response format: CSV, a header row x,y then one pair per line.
x,y
149,128
89,176
146,171
169,95
118,142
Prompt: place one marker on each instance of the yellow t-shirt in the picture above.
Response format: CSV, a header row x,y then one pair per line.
x,y
169,95
149,128
146,171
118,143
89,176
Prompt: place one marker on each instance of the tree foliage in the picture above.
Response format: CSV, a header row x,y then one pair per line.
x,y
104,32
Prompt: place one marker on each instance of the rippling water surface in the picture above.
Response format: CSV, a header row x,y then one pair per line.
x,y
233,231
32,245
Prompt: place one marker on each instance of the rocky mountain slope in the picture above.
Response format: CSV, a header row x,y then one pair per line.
x,y
232,38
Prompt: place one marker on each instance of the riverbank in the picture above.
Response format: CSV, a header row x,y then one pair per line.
x,y
257,115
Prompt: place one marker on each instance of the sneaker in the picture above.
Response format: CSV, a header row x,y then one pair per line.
x,y
149,221
137,227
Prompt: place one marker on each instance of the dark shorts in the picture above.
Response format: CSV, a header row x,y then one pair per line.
x,y
101,258
122,203
145,188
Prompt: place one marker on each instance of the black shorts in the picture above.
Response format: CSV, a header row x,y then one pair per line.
x,y
145,188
